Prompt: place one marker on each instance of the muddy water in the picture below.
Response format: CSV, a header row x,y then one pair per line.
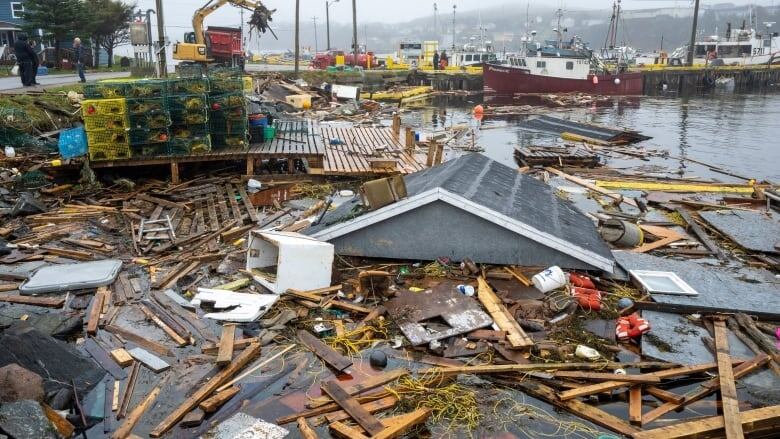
x,y
740,133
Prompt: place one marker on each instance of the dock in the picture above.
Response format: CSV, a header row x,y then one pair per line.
x,y
322,149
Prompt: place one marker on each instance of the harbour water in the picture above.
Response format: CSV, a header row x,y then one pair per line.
x,y
740,133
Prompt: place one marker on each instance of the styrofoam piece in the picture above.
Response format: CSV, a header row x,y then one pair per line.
x,y
302,262
65,277
243,426
248,307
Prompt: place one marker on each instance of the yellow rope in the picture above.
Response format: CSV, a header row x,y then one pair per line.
x,y
352,342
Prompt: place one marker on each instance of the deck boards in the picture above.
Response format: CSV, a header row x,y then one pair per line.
x,y
307,139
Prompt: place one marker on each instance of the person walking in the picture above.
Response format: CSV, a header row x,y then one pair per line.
x,y
78,55
436,60
445,60
24,57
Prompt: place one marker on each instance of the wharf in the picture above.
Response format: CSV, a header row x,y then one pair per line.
x,y
321,149
699,80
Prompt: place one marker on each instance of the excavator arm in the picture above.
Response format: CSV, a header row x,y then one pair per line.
x,y
259,14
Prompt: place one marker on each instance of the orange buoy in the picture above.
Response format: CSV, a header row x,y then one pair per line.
x,y
478,109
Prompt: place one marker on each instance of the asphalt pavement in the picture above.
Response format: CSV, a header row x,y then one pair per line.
x,y
14,82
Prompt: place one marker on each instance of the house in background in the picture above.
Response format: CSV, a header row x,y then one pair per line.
x,y
10,24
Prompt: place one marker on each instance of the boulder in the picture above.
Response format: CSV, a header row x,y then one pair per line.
x,y
26,419
18,383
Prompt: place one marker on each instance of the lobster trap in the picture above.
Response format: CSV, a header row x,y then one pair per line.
x,y
188,86
150,150
118,137
92,107
148,136
192,145
109,151
225,101
151,120
147,88
102,122
105,90
143,106
227,85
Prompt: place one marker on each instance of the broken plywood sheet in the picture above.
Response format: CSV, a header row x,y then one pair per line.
x,y
719,290
754,231
676,339
437,313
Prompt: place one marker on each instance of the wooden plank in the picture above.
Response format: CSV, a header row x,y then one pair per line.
x,y
193,418
515,335
135,415
206,389
664,395
60,423
211,348
343,430
212,212
591,186
115,401
705,389
372,407
728,389
180,341
366,420
305,429
635,405
222,205
225,353
596,376
122,357
48,302
153,362
397,426
213,403
93,317
129,388
231,196
668,236
161,202
248,204
531,367
323,351
367,384
103,359
763,419
137,339
611,385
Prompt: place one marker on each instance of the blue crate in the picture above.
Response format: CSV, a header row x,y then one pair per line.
x,y
73,143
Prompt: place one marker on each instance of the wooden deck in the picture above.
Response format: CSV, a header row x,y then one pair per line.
x,y
365,150
326,150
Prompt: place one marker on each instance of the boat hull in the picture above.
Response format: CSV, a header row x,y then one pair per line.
x,y
504,79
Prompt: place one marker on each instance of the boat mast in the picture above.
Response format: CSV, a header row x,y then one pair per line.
x,y
455,7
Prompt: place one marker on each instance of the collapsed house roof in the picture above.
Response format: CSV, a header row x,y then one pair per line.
x,y
472,207
558,126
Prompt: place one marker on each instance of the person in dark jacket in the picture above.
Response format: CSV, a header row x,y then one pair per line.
x,y
24,57
36,63
436,60
78,55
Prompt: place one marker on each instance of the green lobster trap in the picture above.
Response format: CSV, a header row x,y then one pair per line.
x,y
229,141
92,107
142,106
151,119
218,102
150,150
193,145
147,88
108,137
149,136
188,86
105,90
227,85
102,122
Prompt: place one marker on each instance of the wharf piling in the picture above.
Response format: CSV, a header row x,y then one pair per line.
x,y
692,81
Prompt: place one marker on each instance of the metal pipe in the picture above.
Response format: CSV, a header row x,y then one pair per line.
x,y
297,36
354,33
693,32
161,40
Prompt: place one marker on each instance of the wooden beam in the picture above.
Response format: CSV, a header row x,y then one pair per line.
x,y
140,341
663,395
323,351
93,317
372,407
515,335
129,388
305,429
397,426
611,385
521,368
211,348
705,389
225,353
180,341
132,419
213,403
204,391
351,406
591,186
343,430
635,405
763,419
49,302
121,357
596,376
367,384
728,389
254,368
667,236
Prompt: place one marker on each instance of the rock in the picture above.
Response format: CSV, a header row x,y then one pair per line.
x,y
378,359
26,419
18,383
27,204
62,399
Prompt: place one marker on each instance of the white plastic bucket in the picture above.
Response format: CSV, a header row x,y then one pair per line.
x,y
549,279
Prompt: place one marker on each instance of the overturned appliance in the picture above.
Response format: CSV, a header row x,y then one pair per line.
x,y
472,207
281,261
234,307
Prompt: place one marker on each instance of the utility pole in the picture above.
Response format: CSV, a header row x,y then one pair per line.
x,y
435,12
297,35
354,33
689,59
327,20
162,58
316,44
149,13
454,7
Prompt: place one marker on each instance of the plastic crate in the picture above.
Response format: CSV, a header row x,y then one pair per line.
x,y
225,141
73,143
150,136
150,120
227,85
147,88
227,100
150,150
102,122
92,107
188,86
107,137
105,90
194,145
143,106
109,151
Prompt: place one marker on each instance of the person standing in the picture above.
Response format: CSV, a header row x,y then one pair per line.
x,y
444,60
78,55
436,60
35,64
24,57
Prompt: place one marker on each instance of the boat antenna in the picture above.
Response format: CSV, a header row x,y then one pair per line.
x,y
454,8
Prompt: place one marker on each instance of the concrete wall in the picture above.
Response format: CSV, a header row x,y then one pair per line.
x,y
439,229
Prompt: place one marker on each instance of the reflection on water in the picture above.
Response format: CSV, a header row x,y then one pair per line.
x,y
736,132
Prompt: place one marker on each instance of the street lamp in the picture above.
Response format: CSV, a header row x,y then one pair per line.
x,y
327,19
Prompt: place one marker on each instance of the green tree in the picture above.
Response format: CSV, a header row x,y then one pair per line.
x,y
60,19
108,25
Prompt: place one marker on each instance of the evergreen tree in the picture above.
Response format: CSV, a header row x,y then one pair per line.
x,y
60,20
109,21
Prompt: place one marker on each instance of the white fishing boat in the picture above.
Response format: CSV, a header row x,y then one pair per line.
x,y
744,46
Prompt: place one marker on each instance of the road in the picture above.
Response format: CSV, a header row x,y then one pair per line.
x,y
14,83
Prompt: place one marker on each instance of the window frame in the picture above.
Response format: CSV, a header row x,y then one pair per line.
x,y
683,289
15,12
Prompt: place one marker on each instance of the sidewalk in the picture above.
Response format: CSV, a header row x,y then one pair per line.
x,y
14,83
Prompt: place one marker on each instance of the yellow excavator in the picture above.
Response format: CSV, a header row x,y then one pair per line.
x,y
220,44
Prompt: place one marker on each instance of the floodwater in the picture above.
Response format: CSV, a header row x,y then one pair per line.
x,y
739,133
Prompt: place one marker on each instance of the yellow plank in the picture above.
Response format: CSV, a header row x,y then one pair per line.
x,y
675,187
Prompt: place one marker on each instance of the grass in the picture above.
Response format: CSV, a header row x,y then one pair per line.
x,y
39,108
